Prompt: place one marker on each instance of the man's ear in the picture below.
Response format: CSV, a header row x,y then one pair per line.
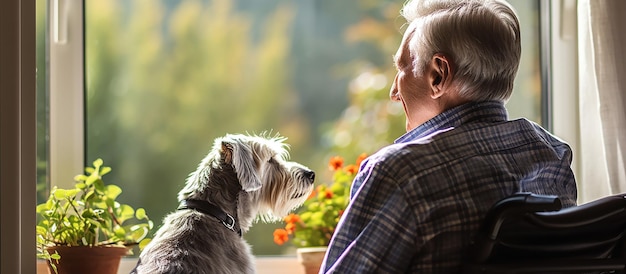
x,y
440,75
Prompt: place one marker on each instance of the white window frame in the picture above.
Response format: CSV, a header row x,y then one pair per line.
x,y
66,88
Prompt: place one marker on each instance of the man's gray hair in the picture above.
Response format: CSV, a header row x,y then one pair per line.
x,y
481,37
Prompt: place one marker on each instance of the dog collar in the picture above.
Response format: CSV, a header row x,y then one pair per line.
x,y
208,208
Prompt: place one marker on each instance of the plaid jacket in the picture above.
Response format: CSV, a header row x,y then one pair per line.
x,y
416,204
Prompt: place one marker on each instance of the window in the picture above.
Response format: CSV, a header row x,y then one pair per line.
x,y
164,78
526,100
161,79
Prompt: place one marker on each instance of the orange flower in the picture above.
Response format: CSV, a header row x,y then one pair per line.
x,y
351,169
360,159
335,163
292,218
290,228
307,227
280,236
328,194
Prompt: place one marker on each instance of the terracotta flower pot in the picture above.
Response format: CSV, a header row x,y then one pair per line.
x,y
85,259
311,258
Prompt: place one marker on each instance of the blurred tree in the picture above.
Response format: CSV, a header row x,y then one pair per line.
x,y
371,120
164,78
161,86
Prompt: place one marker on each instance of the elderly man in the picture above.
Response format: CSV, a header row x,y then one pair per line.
x,y
416,204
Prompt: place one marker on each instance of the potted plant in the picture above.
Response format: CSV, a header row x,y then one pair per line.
x,y
87,220
312,226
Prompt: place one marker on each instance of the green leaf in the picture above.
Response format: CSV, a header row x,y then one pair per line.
x,y
120,232
103,204
105,170
73,219
144,243
112,191
89,195
124,212
98,163
88,213
45,224
92,179
138,232
99,185
140,213
42,207
109,203
55,256
41,230
71,193
80,178
50,202
59,194
93,222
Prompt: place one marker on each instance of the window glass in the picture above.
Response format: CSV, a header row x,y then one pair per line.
x,y
526,99
164,78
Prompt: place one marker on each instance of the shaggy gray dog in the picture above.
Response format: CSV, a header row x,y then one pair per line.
x,y
243,178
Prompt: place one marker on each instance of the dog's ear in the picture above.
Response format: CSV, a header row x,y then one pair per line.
x,y
227,152
240,156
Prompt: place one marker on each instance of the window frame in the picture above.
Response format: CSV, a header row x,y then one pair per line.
x,y
18,138
67,115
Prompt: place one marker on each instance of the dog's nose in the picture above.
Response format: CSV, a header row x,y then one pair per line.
x,y
310,175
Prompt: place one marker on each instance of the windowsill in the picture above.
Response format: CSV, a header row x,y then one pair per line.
x,y
264,265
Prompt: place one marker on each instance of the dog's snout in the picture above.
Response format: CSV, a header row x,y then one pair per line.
x,y
310,174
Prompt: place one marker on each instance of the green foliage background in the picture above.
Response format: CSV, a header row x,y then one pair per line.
x,y
164,78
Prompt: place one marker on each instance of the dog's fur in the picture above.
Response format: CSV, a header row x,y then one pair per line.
x,y
248,177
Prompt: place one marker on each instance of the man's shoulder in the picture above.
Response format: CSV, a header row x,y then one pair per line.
x,y
466,141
